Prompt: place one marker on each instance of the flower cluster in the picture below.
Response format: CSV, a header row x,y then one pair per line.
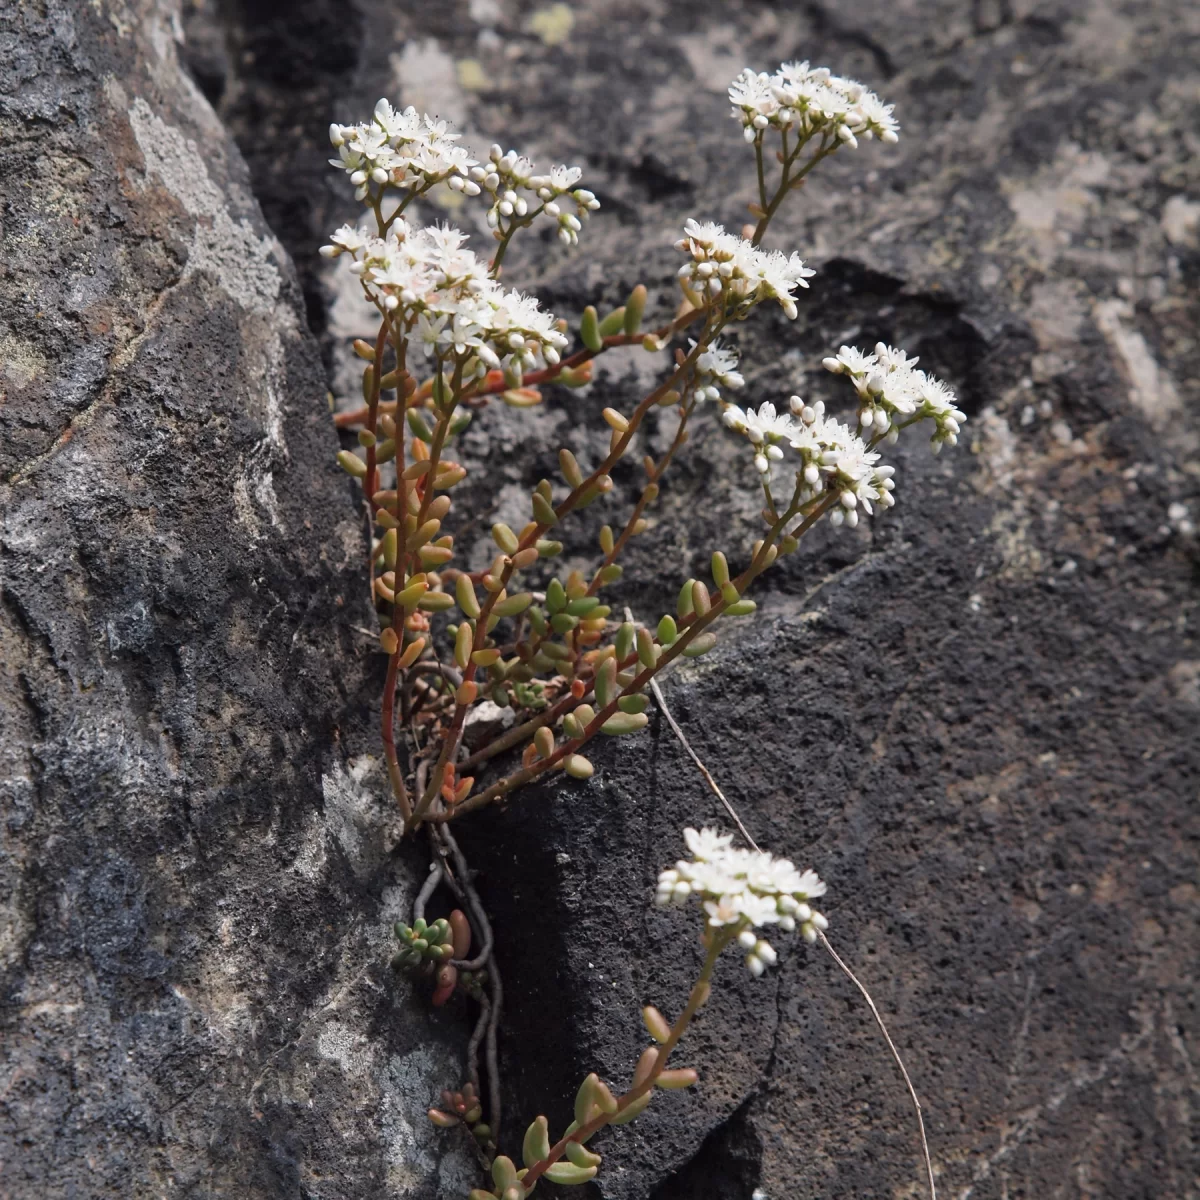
x,y
716,368
809,101
507,175
891,391
403,150
443,293
745,889
737,271
832,457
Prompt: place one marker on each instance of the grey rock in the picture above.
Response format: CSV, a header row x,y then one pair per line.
x,y
973,718
196,881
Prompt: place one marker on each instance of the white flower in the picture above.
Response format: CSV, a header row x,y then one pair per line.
x,y
742,890
891,358
738,272
892,390
707,844
754,102
401,149
562,179
443,294
850,361
347,238
716,368
759,426
810,101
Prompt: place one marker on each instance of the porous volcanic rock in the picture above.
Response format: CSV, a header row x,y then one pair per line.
x,y
975,717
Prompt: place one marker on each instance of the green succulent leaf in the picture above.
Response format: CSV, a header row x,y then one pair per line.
x,y
537,1142
569,1173
581,1156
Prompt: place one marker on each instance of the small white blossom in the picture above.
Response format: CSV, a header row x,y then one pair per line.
x,y
734,270
401,149
742,890
755,105
891,389
810,101
705,845
716,368
443,294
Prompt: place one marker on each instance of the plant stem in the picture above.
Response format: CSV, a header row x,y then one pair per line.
x,y
640,681
454,734
547,374
788,181
762,179
387,714
717,940
644,499
371,479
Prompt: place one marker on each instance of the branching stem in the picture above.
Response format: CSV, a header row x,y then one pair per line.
x,y
717,940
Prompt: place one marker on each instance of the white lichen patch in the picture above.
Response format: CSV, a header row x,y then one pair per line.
x,y
1151,389
21,362
243,508
413,1154
352,815
264,493
426,76
232,252
311,858
350,1050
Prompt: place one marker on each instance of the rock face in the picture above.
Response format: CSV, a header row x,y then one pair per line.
x,y
195,885
975,718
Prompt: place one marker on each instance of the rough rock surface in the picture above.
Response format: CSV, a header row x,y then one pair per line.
x,y
975,718
194,883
